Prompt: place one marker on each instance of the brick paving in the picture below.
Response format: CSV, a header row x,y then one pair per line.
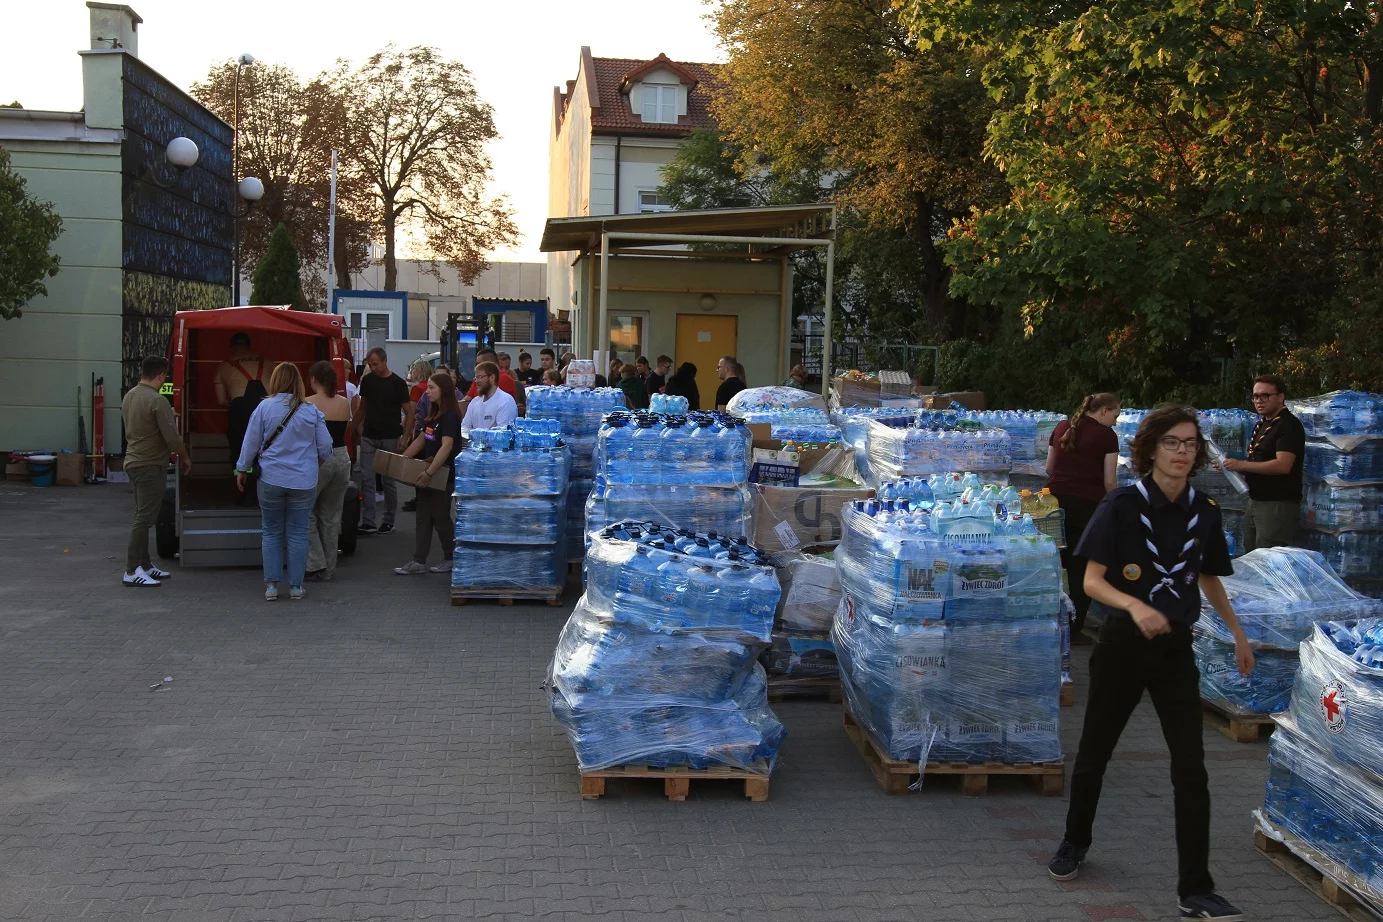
x,y
374,753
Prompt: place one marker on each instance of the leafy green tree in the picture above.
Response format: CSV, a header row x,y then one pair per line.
x,y
1195,188
898,128
277,279
28,228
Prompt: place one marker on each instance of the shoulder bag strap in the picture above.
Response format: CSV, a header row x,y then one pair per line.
x,y
282,423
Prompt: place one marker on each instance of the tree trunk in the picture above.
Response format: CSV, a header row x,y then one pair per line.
x,y
933,267
1373,89
391,267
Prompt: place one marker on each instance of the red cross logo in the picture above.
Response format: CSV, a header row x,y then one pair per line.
x,y
1334,707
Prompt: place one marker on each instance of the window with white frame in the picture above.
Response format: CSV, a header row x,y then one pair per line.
x,y
660,103
650,201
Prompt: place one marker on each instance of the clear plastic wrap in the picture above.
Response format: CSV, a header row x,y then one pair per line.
x,y
1332,808
811,594
1029,431
1348,413
1339,467
854,429
1266,690
658,663
1352,554
701,449
512,519
907,451
542,472
900,570
969,692
1342,508
727,510
515,568
779,397
1337,700
1279,594
1228,428
579,409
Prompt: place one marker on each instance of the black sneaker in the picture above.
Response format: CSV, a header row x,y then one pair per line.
x,y
1210,906
366,529
1065,864
410,506
386,529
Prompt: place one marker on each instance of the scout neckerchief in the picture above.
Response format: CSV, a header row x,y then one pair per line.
x,y
1268,425
1168,580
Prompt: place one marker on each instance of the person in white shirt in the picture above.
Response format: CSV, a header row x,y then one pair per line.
x,y
490,407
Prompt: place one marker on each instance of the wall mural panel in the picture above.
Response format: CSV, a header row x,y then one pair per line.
x,y
176,240
150,303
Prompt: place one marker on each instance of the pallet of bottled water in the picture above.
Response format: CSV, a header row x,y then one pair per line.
x,y
1343,508
928,599
658,664
1350,414
853,423
1279,594
1029,431
932,447
579,410
699,449
717,510
494,463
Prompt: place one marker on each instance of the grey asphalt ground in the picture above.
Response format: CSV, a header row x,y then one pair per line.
x,y
374,753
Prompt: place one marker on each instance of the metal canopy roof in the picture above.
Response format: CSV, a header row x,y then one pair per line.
x,y
805,222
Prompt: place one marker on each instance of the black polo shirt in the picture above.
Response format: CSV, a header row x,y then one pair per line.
x,y
1117,538
1283,432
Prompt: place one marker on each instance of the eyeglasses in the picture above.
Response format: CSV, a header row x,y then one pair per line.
x,y
1171,443
1256,396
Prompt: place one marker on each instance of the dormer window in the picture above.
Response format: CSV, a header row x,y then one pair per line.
x,y
660,103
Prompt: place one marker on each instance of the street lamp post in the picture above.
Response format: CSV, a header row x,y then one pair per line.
x,y
241,62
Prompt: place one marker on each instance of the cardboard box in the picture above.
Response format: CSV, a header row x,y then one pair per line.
x,y
972,400
17,470
71,471
792,518
811,594
397,467
808,459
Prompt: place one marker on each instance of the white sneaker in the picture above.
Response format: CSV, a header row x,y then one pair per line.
x,y
443,567
156,573
140,577
410,568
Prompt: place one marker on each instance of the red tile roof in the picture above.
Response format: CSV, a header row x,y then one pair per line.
x,y
610,112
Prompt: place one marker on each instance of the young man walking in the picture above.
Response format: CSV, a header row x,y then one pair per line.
x,y
386,413
1277,450
1152,549
150,437
731,382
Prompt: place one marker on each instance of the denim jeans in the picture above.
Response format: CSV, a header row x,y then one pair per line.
x,y
286,515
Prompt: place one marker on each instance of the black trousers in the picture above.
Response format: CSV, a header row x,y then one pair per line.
x,y
1122,665
1078,513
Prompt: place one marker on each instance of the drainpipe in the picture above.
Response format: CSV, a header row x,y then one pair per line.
x,y
618,140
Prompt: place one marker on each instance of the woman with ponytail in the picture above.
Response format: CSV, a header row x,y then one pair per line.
x,y
1080,471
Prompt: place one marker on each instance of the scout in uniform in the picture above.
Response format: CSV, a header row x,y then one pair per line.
x,y
1152,549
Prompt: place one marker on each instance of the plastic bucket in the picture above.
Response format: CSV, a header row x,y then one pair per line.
x,y
43,470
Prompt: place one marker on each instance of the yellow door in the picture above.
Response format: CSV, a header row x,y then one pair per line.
x,y
702,339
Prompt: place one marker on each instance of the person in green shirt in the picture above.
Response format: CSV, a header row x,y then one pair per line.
x,y
150,437
635,393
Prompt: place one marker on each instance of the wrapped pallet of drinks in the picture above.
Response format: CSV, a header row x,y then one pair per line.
x,y
948,634
1343,480
1324,797
1029,432
658,664
1278,594
579,411
682,471
935,442
853,423
511,491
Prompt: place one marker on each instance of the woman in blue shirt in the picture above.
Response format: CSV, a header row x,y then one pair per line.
x,y
286,442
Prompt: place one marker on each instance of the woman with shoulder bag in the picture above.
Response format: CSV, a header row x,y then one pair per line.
x,y
285,444
438,443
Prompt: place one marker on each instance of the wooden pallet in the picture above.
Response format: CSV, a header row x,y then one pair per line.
x,y
677,779
552,597
1339,887
896,777
787,688
1242,728
1068,694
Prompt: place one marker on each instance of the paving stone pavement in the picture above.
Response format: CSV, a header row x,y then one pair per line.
x,y
374,753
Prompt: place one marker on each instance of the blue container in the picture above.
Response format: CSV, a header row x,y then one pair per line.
x,y
43,470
